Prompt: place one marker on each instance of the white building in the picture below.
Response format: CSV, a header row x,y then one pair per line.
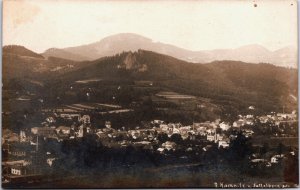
x,y
108,124
224,126
223,143
85,119
275,159
23,136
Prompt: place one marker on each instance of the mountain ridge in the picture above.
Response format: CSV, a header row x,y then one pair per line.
x,y
118,43
237,82
21,51
226,83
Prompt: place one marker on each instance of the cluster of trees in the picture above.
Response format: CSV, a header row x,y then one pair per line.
x,y
270,129
88,155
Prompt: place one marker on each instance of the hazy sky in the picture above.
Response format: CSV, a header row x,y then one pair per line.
x,y
194,25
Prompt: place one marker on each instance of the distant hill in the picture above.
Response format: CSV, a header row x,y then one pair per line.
x,y
55,52
111,45
285,57
225,82
19,62
21,51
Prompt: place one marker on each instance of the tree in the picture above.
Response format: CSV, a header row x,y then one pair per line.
x,y
240,147
162,137
280,148
264,149
176,138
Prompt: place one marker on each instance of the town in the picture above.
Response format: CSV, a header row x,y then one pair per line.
x,y
46,149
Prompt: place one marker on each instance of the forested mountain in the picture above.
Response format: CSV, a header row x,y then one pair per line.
x,y
230,82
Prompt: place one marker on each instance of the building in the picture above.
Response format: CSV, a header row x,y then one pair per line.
x,y
158,122
169,145
184,130
50,120
238,123
20,149
164,127
70,116
215,137
23,136
63,129
18,167
82,131
50,161
223,143
108,124
224,126
276,158
251,107
85,119
210,138
44,131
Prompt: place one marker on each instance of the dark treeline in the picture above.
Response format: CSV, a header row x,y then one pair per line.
x,y
88,155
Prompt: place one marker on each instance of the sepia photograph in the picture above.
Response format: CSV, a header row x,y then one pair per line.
x,y
149,94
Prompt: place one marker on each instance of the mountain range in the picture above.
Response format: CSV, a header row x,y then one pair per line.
x,y
111,45
233,84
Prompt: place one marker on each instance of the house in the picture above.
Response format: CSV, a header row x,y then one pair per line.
x,y
215,137
143,142
251,107
210,137
18,167
9,136
85,119
18,170
108,124
160,150
70,116
184,130
276,158
158,122
249,122
20,149
18,153
63,129
238,123
249,116
82,131
135,134
248,132
223,143
224,126
210,131
164,127
50,161
23,136
206,124
50,120
44,131
201,130
169,145
264,119
206,148
258,160
176,131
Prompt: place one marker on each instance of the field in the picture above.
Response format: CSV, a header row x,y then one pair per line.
x,y
98,107
174,95
87,81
